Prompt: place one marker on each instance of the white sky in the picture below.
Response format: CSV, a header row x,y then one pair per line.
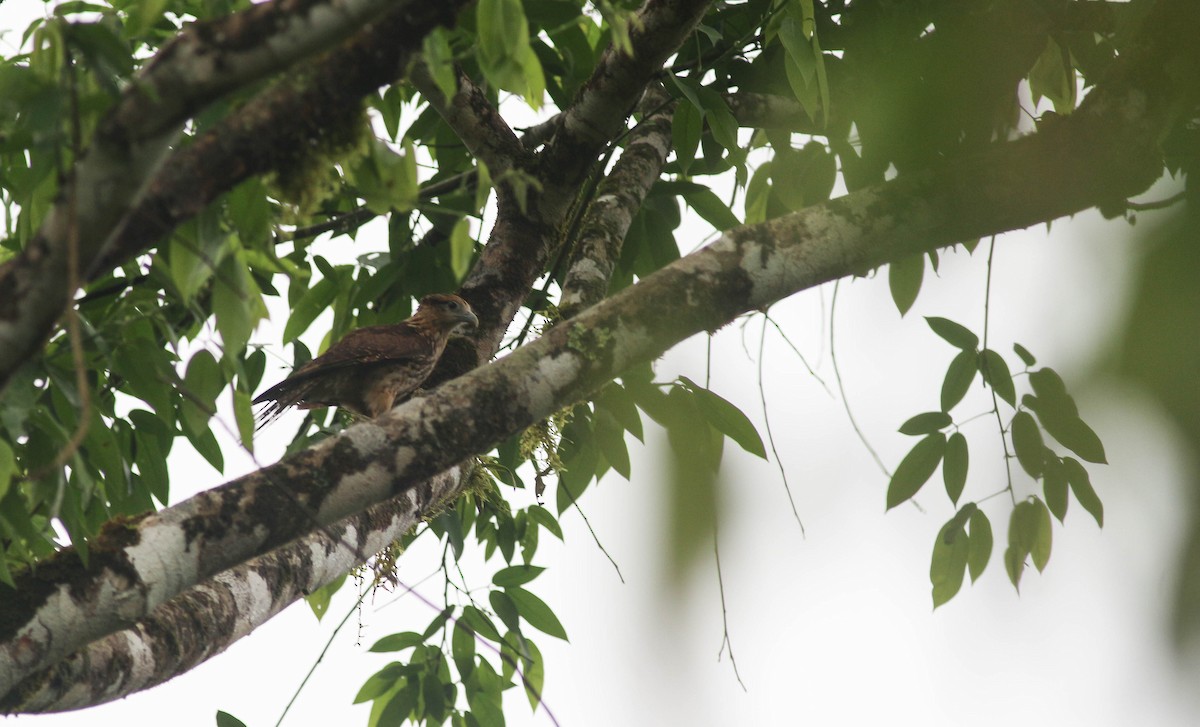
x,y
830,629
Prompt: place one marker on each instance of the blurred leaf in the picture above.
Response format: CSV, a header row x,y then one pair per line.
x,y
440,59
1024,354
950,551
904,278
8,469
980,550
1057,411
1081,486
462,248
995,373
687,127
959,377
727,418
953,333
915,469
1027,443
1054,485
224,719
954,466
926,423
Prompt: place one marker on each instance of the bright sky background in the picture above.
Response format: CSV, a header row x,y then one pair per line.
x,y
833,628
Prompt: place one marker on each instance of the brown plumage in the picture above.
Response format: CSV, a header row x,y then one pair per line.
x,y
374,368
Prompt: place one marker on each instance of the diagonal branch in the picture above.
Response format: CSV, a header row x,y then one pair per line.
x,y
618,199
599,111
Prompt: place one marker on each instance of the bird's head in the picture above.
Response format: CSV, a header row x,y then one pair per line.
x,y
449,311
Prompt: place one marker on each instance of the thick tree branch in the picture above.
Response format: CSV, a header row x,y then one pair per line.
x,y
1107,150
123,163
618,199
206,619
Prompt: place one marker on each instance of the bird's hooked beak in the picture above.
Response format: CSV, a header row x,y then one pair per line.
x,y
466,317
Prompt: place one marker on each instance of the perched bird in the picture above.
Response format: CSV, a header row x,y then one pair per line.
x,y
374,368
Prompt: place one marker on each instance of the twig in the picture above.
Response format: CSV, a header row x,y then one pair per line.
x,y
837,374
762,395
725,642
987,299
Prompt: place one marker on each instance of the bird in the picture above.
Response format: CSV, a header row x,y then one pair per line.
x,y
374,368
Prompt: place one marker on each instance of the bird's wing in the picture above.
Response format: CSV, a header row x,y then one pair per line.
x,y
360,347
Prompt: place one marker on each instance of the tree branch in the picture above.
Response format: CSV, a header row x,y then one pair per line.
x,y
1106,150
618,199
473,118
206,619
606,100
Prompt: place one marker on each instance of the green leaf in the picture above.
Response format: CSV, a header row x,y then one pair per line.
x,y
610,440
727,418
980,550
953,333
315,301
462,249
1027,442
225,719
995,373
396,707
1057,411
462,649
686,127
950,551
1081,486
915,469
536,613
1025,355
1043,537
959,377
926,423
319,599
535,675
398,642
238,305
710,207
8,469
480,623
954,466
379,683
440,60
615,399
517,575
243,414
506,609
543,517
720,119
904,279
1029,534
202,383
758,194
1054,485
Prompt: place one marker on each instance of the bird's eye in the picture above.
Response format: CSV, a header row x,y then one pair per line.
x,y
452,305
